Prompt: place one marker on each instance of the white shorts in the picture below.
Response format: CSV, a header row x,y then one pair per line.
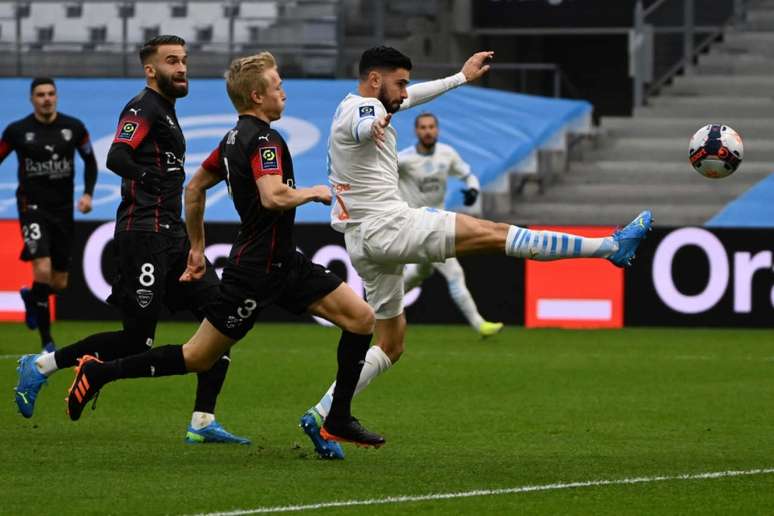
x,y
381,246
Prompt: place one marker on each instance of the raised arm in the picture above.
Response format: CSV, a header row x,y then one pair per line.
x,y
476,66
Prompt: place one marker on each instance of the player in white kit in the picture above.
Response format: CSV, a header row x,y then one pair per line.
x,y
382,233
423,171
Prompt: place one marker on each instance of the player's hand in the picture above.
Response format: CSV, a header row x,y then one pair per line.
x,y
195,267
477,65
471,194
84,203
150,181
322,194
378,127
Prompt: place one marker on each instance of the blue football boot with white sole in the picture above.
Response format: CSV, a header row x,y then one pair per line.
x,y
629,237
30,382
310,423
213,433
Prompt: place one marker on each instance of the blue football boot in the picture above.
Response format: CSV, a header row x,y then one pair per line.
x,y
310,423
629,238
213,433
30,382
30,319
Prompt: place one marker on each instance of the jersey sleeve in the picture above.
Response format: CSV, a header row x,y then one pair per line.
x,y
459,168
212,163
133,126
363,117
6,147
266,159
86,153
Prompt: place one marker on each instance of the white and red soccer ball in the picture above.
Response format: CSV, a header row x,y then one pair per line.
x,y
715,151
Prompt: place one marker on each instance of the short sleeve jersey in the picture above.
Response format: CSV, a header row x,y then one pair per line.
x,y
364,176
46,154
148,124
423,177
248,152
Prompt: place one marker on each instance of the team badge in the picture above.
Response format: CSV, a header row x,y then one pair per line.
x,y
269,158
144,297
29,137
67,134
367,111
127,130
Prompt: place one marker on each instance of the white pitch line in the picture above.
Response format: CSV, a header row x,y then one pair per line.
x,y
491,492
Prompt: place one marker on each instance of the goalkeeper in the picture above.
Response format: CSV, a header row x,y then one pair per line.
x,y
423,173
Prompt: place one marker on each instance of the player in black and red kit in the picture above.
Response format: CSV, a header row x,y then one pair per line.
x,y
148,152
263,268
45,143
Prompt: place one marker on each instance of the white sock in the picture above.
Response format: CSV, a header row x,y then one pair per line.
x,y
201,419
551,245
376,362
46,364
461,296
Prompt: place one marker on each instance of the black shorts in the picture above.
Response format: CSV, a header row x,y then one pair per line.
x,y
47,236
245,291
149,268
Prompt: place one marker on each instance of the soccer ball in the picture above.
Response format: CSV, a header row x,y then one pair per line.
x,y
715,151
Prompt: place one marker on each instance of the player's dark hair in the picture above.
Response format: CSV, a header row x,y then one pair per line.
x,y
424,115
152,45
39,81
386,58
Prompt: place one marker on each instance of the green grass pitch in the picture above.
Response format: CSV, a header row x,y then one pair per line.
x,y
460,414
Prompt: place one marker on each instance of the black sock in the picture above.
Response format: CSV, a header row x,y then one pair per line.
x,y
40,293
161,361
209,384
105,346
351,356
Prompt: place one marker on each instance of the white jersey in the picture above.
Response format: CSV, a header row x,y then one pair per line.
x,y
364,175
423,177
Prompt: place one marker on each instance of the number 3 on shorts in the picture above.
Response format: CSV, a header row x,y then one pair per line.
x,y
31,231
147,278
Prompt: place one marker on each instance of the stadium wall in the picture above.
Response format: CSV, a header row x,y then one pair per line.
x,y
691,276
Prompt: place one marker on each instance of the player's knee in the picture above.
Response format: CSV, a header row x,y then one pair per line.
x,y
361,320
196,361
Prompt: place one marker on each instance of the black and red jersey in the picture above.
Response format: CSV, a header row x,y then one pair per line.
x,y
249,151
46,154
149,140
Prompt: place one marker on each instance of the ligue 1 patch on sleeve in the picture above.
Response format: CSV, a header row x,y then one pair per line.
x,y
127,130
367,111
269,158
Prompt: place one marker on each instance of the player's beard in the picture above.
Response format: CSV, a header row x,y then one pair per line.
x,y
170,88
391,106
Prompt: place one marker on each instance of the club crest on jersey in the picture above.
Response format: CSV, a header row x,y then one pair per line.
x,y
29,137
144,297
367,111
67,134
269,158
127,130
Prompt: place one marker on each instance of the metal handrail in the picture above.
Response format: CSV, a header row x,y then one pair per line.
x,y
641,51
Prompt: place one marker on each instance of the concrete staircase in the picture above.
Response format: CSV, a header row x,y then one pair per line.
x,y
642,161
